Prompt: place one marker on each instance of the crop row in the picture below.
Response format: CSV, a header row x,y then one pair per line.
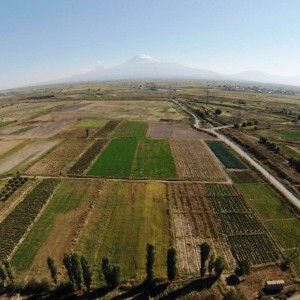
x,y
257,248
106,129
15,225
11,186
243,177
222,190
87,157
228,159
223,204
238,223
194,160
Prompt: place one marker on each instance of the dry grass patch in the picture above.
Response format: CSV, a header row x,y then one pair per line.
x,y
194,160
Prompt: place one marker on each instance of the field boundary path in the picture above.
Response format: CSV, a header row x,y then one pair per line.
x,y
276,183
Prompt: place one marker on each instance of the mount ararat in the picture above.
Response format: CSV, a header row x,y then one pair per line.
x,y
146,67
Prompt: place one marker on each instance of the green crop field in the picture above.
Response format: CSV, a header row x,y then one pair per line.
x,y
91,123
291,135
154,160
136,216
68,197
116,160
22,130
285,232
265,201
225,155
131,129
3,124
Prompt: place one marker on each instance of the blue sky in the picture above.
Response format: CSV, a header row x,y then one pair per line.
x,y
47,39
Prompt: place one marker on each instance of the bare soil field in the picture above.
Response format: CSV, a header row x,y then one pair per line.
x,y
128,110
194,159
175,131
26,154
47,130
61,158
194,222
6,146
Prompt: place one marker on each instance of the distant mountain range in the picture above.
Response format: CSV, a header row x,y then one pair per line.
x,y
146,67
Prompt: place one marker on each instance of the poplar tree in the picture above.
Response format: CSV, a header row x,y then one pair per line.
x,y
171,263
204,254
52,268
150,259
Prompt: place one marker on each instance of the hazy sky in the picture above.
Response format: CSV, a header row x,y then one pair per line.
x,y
48,39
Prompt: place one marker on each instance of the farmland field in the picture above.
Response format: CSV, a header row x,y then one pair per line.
x,y
68,207
240,225
59,160
142,174
91,123
194,160
116,160
125,226
225,155
14,226
130,129
88,156
154,160
194,222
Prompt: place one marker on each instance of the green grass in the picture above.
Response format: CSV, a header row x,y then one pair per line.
x,y
154,160
286,232
3,124
291,135
265,201
225,155
131,129
91,123
116,160
66,198
22,130
138,217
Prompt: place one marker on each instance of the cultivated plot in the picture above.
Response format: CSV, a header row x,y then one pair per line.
x,y
131,129
23,154
175,131
225,155
125,218
61,158
194,222
154,160
116,160
195,161
68,209
245,234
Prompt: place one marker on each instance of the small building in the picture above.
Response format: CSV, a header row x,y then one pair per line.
x,y
274,285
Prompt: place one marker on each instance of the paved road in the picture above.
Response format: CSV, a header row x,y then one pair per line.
x,y
276,183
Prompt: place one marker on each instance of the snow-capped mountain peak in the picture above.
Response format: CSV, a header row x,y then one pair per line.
x,y
143,58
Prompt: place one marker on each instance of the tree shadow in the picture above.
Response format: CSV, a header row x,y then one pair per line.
x,y
196,285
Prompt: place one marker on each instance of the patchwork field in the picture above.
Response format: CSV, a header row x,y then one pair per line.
x,y
68,209
131,129
59,160
122,223
154,160
166,130
279,219
245,234
194,160
116,160
194,222
225,155
23,154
